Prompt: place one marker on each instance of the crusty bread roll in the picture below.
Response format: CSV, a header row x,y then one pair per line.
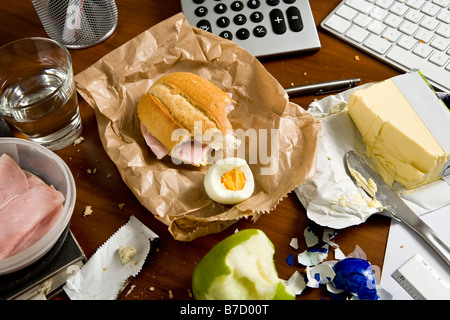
x,y
178,101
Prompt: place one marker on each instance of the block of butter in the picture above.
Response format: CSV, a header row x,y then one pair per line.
x,y
405,128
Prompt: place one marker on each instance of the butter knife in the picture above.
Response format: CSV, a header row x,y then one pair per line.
x,y
361,173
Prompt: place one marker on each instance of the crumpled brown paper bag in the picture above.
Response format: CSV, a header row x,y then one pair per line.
x,y
175,193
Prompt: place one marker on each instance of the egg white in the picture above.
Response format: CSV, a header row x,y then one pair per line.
x,y
215,188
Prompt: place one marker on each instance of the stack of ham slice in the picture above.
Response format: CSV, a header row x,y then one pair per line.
x,y
28,207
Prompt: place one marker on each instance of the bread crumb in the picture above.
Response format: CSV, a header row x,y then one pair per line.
x,y
170,294
78,141
87,211
152,288
131,289
357,58
109,175
121,205
126,253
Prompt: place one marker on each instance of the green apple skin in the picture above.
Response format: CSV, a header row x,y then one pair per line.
x,y
214,279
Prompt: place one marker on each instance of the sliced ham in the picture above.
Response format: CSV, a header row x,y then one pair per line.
x,y
158,149
13,180
29,212
192,152
189,152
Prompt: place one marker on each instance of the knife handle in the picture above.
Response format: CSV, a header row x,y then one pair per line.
x,y
432,238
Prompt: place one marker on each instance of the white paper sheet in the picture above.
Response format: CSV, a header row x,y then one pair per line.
x,y
404,243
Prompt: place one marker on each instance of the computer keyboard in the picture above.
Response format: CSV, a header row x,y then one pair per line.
x,y
262,27
407,34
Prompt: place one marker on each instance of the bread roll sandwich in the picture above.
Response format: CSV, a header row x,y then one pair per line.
x,y
185,116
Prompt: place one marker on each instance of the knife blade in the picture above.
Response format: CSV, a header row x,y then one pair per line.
x,y
375,186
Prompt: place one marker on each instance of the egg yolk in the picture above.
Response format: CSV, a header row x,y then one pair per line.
x,y
233,180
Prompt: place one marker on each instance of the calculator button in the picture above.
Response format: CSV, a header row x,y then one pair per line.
x,y
223,22
226,35
204,25
294,19
242,34
259,31
256,16
277,20
288,1
220,8
199,1
240,19
273,2
237,6
201,11
253,4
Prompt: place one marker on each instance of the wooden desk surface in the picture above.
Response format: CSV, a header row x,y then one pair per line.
x,y
170,269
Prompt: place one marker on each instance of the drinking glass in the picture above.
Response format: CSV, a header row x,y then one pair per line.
x,y
37,91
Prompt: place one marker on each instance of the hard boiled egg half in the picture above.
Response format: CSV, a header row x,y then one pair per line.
x,y
229,181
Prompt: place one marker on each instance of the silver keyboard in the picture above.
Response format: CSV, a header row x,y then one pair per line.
x,y
262,27
407,34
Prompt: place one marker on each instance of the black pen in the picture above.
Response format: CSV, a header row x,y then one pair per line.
x,y
322,87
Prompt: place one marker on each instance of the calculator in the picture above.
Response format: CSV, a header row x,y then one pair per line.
x,y
262,27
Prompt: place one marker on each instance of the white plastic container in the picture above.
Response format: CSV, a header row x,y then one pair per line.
x,y
53,170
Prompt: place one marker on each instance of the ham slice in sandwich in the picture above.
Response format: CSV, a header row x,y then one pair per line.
x,y
184,116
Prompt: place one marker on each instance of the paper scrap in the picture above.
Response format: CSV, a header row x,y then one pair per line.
x,y
104,276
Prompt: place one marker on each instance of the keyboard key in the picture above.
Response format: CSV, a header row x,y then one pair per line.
x,y
439,58
408,28
392,34
346,12
339,24
399,9
407,42
385,4
357,33
430,9
377,44
362,20
442,3
414,16
422,50
360,5
393,20
440,43
443,30
416,4
429,23
424,35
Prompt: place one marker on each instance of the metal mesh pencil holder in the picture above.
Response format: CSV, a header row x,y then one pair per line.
x,y
77,23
